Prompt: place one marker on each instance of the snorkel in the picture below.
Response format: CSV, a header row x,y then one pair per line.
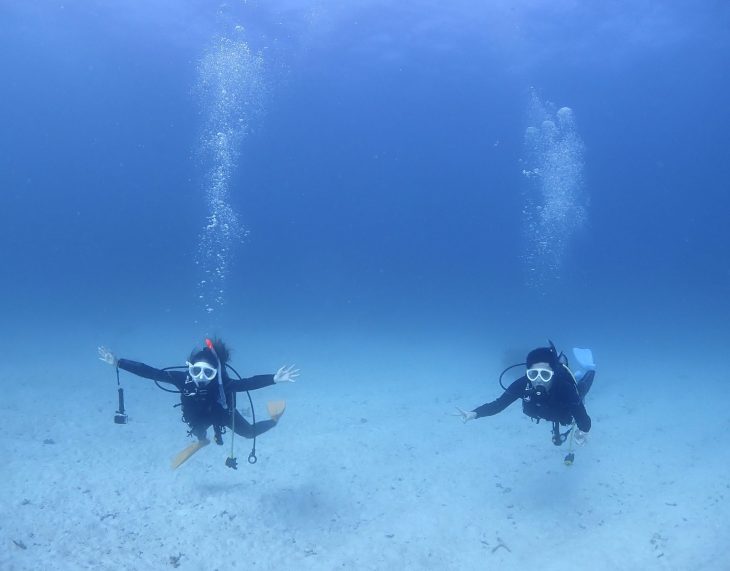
x,y
221,392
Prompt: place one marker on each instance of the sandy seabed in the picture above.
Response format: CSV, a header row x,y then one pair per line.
x,y
364,476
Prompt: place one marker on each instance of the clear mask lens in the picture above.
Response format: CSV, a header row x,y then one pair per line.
x,y
543,375
201,371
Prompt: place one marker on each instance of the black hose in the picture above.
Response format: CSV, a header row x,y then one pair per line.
x,y
507,369
176,368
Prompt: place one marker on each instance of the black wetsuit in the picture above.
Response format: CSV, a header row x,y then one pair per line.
x,y
563,403
200,406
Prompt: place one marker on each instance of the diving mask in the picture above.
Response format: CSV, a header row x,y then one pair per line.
x,y
200,371
540,375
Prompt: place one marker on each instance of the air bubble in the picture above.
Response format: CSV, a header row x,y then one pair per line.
x,y
231,90
555,199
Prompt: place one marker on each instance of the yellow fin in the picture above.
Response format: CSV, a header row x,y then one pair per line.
x,y
188,452
276,408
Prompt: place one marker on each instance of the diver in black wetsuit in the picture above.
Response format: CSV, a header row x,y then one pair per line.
x,y
548,391
207,393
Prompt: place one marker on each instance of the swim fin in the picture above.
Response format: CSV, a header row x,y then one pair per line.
x,y
276,408
182,456
584,358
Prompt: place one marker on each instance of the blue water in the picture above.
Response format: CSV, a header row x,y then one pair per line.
x,y
378,183
385,172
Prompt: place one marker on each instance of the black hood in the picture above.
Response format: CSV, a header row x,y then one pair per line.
x,y
205,355
543,355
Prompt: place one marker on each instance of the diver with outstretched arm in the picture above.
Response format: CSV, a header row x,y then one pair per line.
x,y
207,392
549,391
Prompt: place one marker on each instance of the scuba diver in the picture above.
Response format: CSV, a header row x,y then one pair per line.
x,y
549,391
208,395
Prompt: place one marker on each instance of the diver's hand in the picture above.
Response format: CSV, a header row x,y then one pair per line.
x,y
286,375
580,437
107,356
465,415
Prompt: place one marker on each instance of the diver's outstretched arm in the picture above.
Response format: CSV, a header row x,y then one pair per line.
x,y
251,383
283,375
513,392
176,378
